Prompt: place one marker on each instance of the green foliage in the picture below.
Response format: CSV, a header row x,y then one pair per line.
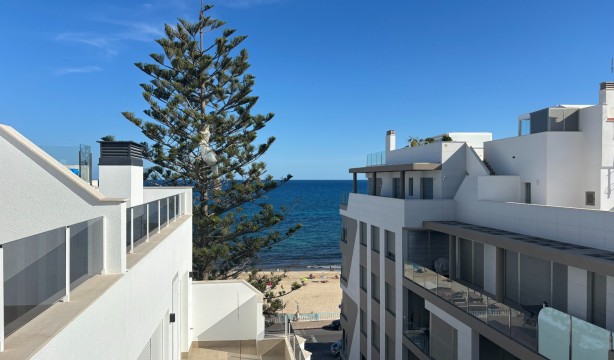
x,y
108,138
199,82
446,138
266,284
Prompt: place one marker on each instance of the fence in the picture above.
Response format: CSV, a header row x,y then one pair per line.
x,y
280,318
147,219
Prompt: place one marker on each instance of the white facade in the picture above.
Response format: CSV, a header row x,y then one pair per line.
x,y
105,274
524,196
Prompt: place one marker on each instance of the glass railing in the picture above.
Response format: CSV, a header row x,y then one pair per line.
x,y
520,325
146,219
378,158
562,336
35,276
417,334
344,198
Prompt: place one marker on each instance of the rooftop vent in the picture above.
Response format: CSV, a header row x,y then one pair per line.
x,y
121,153
606,86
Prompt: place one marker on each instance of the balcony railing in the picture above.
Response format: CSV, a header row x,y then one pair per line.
x,y
147,219
35,272
518,325
378,158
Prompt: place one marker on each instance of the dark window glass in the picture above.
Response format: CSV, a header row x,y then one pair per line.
x,y
389,237
426,188
363,234
375,287
375,238
34,276
410,187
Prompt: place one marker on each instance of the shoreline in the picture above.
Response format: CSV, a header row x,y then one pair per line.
x,y
321,294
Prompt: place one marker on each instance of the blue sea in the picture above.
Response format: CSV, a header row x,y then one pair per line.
x,y
315,204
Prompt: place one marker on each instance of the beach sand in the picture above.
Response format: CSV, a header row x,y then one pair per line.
x,y
316,296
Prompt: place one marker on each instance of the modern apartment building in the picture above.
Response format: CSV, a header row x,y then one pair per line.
x,y
486,249
105,273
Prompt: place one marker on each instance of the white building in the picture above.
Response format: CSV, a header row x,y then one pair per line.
x,y
106,273
457,246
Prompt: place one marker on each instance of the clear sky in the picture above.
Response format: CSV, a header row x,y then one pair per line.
x,y
337,73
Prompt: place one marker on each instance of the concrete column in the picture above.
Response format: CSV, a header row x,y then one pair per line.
x,y
452,256
354,183
500,275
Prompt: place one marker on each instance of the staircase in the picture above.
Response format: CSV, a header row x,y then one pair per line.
x,y
492,172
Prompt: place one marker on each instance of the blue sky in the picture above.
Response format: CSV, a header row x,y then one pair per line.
x,y
337,73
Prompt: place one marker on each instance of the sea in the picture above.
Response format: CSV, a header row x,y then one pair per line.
x,y
315,205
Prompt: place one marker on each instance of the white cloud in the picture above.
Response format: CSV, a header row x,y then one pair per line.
x,y
101,42
78,70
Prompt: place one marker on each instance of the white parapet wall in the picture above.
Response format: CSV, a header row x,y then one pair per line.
x,y
226,310
119,324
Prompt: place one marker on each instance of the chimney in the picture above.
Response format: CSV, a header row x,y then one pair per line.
x,y
120,171
390,140
606,93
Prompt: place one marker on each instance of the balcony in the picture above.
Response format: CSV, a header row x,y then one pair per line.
x,y
520,325
405,212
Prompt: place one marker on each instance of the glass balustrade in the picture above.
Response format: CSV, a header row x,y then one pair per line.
x,y
521,325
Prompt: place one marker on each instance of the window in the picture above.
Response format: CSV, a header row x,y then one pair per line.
x,y
426,188
363,322
590,198
374,335
389,348
363,234
527,193
390,298
375,287
374,238
410,188
396,188
344,230
363,278
389,237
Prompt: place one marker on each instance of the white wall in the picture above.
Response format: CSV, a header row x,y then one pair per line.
x,y
474,164
226,310
121,321
499,188
586,227
122,182
551,161
407,155
39,194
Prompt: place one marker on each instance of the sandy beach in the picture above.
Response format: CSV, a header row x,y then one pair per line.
x,y
321,294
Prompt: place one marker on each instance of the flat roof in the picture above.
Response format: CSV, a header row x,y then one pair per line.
x,y
580,256
417,166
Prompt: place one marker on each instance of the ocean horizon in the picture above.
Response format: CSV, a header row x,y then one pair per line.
x,y
315,204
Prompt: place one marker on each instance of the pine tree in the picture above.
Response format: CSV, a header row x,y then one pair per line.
x,y
203,133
